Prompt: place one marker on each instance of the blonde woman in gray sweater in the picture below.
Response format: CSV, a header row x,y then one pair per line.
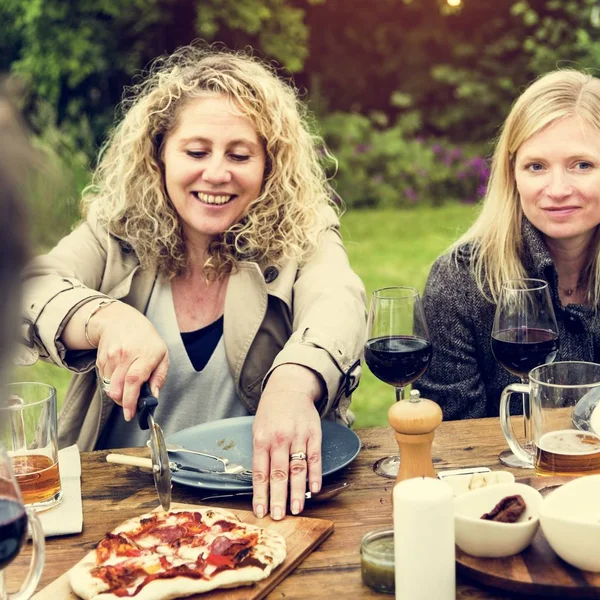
x,y
539,219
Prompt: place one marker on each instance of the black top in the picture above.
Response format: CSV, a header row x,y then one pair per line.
x,y
201,344
464,377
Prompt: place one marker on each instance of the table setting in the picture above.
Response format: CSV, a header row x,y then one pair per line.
x,y
445,517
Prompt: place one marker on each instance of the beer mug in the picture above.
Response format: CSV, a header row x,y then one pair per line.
x,y
28,430
559,447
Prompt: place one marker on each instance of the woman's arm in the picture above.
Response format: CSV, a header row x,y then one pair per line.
x,y
329,320
65,286
312,370
454,379
57,286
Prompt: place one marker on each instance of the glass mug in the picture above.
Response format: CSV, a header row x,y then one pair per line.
x,y
13,528
559,394
28,430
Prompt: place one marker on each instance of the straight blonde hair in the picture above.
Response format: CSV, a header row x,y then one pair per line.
x,y
495,236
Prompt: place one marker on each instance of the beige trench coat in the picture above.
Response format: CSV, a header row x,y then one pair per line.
x,y
312,315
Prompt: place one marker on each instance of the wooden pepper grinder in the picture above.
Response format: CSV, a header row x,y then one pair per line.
x,y
414,422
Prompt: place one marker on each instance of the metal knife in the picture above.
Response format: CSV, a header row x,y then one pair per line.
x,y
146,463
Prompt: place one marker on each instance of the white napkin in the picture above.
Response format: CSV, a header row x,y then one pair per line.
x,y
67,516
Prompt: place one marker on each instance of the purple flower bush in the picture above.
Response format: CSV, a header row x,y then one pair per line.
x,y
395,165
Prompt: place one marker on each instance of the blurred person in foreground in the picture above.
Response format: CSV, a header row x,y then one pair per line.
x,y
539,219
17,160
210,265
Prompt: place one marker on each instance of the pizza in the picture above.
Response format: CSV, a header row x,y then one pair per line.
x,y
164,555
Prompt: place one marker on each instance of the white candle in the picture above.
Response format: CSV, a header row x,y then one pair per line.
x,y
424,540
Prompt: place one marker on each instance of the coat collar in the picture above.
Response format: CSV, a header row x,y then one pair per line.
x,y
534,254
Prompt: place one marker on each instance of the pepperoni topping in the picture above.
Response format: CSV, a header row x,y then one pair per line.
x,y
224,547
169,534
225,525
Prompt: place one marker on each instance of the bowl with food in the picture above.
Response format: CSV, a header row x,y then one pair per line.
x,y
498,520
570,520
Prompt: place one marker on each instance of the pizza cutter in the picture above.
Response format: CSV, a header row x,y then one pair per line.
x,y
146,405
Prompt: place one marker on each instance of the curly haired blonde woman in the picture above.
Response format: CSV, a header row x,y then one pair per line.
x,y
210,265
539,219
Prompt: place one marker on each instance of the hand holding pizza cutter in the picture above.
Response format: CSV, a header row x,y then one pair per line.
x,y
146,405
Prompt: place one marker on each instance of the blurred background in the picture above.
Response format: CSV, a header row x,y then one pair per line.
x,y
408,95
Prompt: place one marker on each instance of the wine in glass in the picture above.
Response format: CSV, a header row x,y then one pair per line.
x,y
524,336
398,349
13,529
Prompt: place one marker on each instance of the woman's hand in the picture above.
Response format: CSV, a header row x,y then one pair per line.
x,y
130,352
286,423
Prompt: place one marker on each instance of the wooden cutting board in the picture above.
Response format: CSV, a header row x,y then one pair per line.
x,y
535,571
302,535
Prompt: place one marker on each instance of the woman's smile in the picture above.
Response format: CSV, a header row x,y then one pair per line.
x,y
558,212
214,199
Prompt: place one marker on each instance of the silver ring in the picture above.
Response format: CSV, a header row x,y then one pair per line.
x,y
297,456
105,383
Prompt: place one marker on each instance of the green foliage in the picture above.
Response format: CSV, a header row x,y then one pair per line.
x,y
560,33
77,56
461,68
522,39
385,166
278,27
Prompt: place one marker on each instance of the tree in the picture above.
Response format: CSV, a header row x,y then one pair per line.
x,y
76,57
460,68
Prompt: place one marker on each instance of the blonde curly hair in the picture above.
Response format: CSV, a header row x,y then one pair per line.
x,y
128,189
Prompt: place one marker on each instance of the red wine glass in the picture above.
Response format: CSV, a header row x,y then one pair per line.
x,y
524,336
13,530
398,349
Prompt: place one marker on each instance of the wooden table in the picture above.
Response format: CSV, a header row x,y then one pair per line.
x,y
113,493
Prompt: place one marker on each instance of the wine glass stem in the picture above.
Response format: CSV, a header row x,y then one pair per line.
x,y
527,417
399,393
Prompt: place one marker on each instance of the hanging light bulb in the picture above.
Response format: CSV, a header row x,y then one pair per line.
x,y
454,2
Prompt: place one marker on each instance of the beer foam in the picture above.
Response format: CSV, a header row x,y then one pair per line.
x,y
570,442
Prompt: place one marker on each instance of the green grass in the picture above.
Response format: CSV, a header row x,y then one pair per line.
x,y
392,247
396,247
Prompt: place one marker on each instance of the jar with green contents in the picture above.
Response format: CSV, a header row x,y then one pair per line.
x,y
377,560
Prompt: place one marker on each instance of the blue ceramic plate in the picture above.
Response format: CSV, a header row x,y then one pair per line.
x,y
232,439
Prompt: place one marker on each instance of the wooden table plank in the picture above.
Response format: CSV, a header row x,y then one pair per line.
x,y
113,493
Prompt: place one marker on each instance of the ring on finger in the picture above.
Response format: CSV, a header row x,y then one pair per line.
x,y
105,383
297,456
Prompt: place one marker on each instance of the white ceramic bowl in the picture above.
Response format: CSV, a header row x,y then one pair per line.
x,y
491,539
570,519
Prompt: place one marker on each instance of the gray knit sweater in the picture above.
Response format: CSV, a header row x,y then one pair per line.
x,y
463,377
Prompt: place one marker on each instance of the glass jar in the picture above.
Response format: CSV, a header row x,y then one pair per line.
x,y
377,560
